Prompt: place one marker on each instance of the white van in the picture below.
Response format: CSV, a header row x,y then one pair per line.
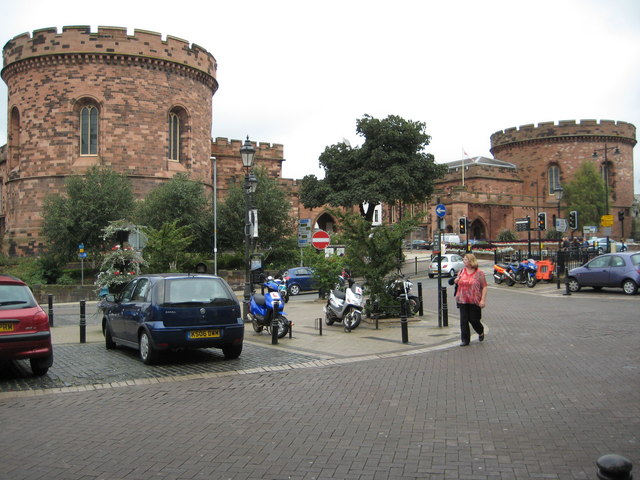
x,y
451,239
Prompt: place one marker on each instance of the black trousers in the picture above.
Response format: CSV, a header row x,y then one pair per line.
x,y
470,314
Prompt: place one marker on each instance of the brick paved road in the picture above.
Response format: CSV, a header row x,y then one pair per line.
x,y
542,398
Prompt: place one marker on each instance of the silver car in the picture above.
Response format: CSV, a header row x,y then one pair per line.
x,y
450,265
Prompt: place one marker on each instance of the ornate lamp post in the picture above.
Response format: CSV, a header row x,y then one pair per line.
x,y
605,170
605,176
247,152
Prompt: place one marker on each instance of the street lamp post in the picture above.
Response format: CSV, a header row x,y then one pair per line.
x,y
247,152
605,170
215,215
559,192
605,175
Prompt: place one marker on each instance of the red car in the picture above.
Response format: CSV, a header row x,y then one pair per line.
x,y
24,326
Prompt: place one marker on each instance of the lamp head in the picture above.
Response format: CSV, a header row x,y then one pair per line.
x,y
558,192
252,183
247,152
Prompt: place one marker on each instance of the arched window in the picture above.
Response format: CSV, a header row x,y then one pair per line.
x,y
89,117
174,136
554,178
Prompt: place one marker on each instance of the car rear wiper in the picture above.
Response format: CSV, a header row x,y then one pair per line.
x,y
12,302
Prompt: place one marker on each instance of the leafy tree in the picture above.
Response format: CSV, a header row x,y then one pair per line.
x,y
389,167
79,215
586,194
326,269
167,247
507,235
374,253
182,201
274,220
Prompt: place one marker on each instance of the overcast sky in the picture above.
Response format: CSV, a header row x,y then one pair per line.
x,y
301,73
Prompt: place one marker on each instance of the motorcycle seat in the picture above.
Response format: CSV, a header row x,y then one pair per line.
x,y
259,299
340,294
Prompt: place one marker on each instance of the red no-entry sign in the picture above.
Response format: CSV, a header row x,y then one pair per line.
x,y
320,239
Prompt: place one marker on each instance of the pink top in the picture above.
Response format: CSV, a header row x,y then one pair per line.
x,y
470,286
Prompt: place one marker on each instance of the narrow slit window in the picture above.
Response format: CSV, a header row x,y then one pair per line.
x,y
174,137
89,130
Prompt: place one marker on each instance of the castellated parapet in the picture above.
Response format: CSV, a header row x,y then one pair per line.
x,y
622,132
108,41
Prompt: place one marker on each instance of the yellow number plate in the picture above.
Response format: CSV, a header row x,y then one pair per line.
x,y
6,327
204,333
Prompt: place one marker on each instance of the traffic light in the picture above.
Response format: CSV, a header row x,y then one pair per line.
x,y
573,220
621,215
463,224
542,221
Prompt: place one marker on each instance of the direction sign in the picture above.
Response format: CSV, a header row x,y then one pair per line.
x,y
320,239
441,210
561,224
606,221
304,232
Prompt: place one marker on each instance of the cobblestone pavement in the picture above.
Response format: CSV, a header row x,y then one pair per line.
x,y
555,385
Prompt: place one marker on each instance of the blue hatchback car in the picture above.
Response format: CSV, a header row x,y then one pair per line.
x,y
616,270
299,279
173,311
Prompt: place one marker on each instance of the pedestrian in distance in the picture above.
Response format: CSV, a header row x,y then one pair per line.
x,y
471,298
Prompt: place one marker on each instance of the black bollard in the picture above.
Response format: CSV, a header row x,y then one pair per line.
x,y
319,320
404,323
566,282
445,308
376,317
290,330
274,324
421,309
83,322
614,467
50,300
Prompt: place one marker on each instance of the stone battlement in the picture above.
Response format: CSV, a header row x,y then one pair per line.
x,y
620,131
231,148
107,41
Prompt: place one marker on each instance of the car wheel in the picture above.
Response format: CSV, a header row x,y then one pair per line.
x,y
231,352
294,289
108,339
600,250
431,275
629,287
148,354
452,273
40,366
573,285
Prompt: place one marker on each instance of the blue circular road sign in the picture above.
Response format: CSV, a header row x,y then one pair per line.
x,y
441,210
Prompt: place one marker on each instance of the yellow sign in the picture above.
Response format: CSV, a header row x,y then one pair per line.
x,y
606,221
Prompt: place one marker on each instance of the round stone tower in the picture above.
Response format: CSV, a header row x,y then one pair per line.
x,y
549,154
137,104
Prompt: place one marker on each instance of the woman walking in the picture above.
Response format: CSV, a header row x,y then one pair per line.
x,y
471,298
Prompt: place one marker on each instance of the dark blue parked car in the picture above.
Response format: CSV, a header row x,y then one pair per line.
x,y
172,311
299,279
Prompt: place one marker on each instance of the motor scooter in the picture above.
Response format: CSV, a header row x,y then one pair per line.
x,y
345,305
265,309
277,285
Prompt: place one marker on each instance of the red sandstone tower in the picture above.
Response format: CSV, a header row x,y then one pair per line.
x,y
135,103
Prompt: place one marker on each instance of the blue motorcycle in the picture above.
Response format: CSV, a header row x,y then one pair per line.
x,y
266,309
277,285
523,272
